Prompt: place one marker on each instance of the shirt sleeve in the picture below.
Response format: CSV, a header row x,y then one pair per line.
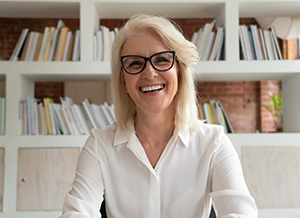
x,y
86,196
230,195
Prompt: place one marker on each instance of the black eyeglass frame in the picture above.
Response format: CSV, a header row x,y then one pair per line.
x,y
148,59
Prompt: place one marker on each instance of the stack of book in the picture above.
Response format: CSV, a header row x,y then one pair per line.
x,y
213,113
2,115
258,44
48,118
54,44
102,42
209,42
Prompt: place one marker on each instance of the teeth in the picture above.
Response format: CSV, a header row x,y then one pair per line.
x,y
152,88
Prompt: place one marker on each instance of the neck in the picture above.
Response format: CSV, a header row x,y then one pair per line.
x,y
154,129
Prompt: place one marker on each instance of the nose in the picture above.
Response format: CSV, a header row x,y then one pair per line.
x,y
149,72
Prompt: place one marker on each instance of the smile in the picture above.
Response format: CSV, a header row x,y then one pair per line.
x,y
152,88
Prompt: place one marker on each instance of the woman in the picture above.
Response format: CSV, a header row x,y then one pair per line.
x,y
158,159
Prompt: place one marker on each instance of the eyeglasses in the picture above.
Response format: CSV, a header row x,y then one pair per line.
x,y
135,64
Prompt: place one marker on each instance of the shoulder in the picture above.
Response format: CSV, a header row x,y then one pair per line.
x,y
99,140
209,137
209,130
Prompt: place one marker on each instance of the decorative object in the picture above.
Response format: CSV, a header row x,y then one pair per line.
x,y
275,108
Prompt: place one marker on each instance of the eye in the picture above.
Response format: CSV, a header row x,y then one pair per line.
x,y
133,62
136,63
161,60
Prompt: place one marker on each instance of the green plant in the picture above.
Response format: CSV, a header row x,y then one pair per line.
x,y
275,108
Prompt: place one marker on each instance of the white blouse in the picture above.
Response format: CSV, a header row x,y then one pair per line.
x,y
196,169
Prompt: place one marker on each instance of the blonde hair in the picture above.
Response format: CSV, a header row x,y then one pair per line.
x,y
186,56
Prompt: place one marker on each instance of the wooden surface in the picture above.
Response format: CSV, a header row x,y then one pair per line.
x,y
272,174
45,176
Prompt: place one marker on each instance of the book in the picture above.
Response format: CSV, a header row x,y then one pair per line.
x,y
217,43
277,48
33,46
243,44
54,40
76,47
110,109
228,124
67,103
38,47
206,112
82,120
53,121
18,48
200,111
99,48
248,43
268,42
41,120
254,42
263,43
61,43
48,44
66,48
26,45
208,27
47,115
106,43
99,117
209,46
44,43
70,49
220,116
258,42
213,111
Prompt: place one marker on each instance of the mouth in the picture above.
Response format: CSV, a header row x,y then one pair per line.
x,y
155,88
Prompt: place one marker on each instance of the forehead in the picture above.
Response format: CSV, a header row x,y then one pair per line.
x,y
143,44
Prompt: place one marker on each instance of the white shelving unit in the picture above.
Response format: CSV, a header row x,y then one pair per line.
x,y
20,76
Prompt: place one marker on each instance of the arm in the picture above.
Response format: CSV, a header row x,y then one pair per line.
x,y
230,195
85,198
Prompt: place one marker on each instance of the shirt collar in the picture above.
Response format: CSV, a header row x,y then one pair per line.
x,y
122,137
183,135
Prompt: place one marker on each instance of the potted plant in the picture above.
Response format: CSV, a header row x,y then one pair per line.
x,y
275,109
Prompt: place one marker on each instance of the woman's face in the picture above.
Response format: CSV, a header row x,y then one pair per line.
x,y
152,91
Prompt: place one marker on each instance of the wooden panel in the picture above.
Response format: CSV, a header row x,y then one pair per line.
x,y
1,177
2,89
45,176
272,174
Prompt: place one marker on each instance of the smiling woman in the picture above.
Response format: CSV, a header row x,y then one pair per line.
x,y
158,159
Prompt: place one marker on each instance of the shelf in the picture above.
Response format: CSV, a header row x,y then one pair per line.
x,y
46,141
204,70
40,9
264,139
58,71
169,8
246,70
269,8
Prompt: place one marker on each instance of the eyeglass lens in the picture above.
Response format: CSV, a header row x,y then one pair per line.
x,y
135,64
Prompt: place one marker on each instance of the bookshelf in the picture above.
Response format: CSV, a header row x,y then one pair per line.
x,y
19,77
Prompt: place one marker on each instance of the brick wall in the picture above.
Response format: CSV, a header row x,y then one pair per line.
x,y
241,99
267,120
